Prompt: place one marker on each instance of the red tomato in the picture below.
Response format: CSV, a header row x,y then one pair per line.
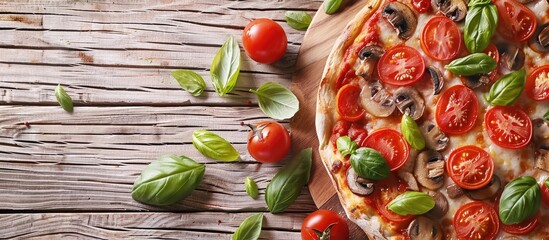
x,y
545,194
386,190
517,23
476,220
357,133
523,227
264,40
457,110
391,145
268,142
421,6
470,167
348,104
441,38
508,127
537,83
400,66
325,221
493,52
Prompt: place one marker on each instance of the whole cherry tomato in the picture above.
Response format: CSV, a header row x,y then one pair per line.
x,y
264,40
268,142
322,222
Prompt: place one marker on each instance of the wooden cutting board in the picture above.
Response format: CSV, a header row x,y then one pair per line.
x,y
315,48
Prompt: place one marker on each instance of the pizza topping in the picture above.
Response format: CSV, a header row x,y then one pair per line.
x,y
457,110
369,163
520,200
411,203
401,17
508,127
429,169
409,102
540,41
423,228
441,38
480,25
476,63
453,9
368,56
537,83
541,140
512,57
391,145
517,23
348,104
401,66
454,191
470,167
437,78
476,220
434,138
441,205
409,179
376,100
411,133
487,191
359,185
475,81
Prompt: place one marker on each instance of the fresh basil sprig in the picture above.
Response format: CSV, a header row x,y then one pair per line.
x,y
213,146
167,180
520,200
250,228
475,63
190,81
226,67
481,22
346,146
331,6
411,133
251,187
288,182
507,89
369,163
415,203
276,100
63,98
298,20
546,116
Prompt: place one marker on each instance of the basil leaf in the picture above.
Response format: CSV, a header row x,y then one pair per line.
x,y
480,25
507,89
190,81
250,228
345,145
226,67
411,133
331,6
520,200
213,146
475,63
473,3
546,116
63,98
276,101
369,163
415,203
251,187
298,20
288,182
167,180
547,182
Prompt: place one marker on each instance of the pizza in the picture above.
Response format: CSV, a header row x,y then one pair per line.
x,y
430,119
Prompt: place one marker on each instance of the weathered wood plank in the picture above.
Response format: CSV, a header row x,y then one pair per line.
x,y
199,225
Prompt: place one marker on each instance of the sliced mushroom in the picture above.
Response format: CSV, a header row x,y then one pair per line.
x,y
423,228
429,169
438,80
368,56
358,185
540,41
512,57
434,138
401,17
485,192
441,206
541,144
410,180
453,9
454,191
376,100
475,81
409,101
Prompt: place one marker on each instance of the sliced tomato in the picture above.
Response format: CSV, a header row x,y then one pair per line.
x,y
386,190
476,220
537,83
441,38
508,127
545,194
517,23
357,133
400,66
391,145
457,110
348,104
523,227
493,52
421,6
470,167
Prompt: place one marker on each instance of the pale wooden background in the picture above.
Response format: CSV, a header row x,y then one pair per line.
x,y
70,175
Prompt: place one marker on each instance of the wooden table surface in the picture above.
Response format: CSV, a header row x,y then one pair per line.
x,y
70,175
